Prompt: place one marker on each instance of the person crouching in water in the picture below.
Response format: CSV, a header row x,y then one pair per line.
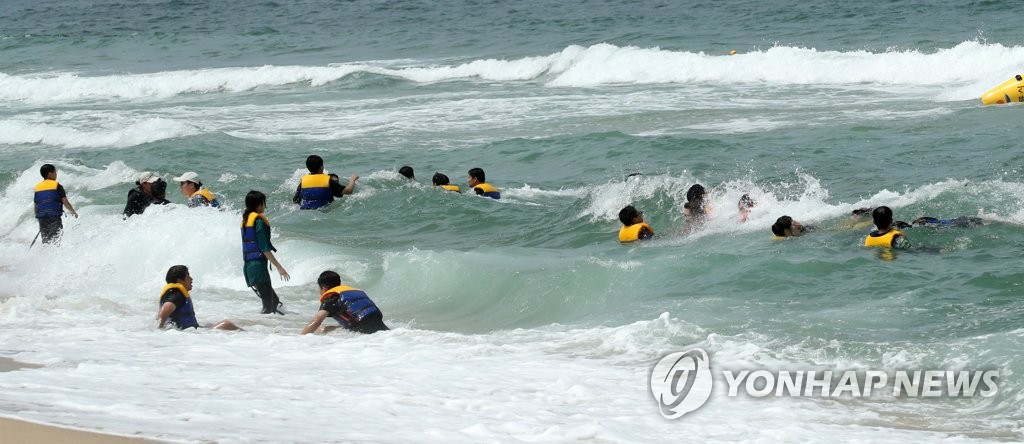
x,y
633,226
351,307
176,303
257,251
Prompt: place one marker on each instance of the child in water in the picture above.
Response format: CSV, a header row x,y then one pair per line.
x,y
633,226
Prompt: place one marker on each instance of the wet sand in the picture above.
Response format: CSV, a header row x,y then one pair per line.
x,y
20,431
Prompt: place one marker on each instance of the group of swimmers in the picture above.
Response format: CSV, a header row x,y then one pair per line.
x,y
887,232
477,180
349,306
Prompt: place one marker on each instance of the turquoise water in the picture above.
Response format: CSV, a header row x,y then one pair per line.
x,y
824,109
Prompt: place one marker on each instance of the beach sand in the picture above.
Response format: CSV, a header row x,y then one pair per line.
x,y
25,432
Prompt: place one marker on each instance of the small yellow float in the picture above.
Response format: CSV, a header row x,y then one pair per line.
x,y
1009,91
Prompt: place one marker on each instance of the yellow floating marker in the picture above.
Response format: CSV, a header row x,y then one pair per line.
x,y
1009,91
732,52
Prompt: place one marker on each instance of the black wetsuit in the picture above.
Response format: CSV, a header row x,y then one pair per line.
x,y
138,200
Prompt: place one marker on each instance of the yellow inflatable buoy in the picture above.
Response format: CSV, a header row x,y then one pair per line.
x,y
733,52
1009,91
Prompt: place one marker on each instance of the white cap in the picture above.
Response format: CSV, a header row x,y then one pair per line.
x,y
147,177
188,177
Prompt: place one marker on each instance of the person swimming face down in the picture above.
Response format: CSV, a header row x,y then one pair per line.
x,y
785,226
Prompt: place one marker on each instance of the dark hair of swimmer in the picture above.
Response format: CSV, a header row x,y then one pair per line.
x,y
882,217
439,179
46,169
626,215
407,172
781,225
478,174
314,163
328,279
746,202
176,274
253,200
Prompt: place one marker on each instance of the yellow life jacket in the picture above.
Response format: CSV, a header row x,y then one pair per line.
x,y
205,193
488,190
454,188
881,240
316,181
336,290
180,288
631,233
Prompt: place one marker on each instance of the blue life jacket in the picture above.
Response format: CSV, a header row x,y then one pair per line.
x,y
315,191
357,304
183,316
250,246
48,201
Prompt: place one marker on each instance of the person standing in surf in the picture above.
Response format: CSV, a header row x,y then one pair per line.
x,y
50,200
318,189
258,252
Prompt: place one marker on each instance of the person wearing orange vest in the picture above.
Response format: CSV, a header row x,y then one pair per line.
x,y
633,226
176,302
885,235
50,200
478,182
258,252
441,180
351,307
318,189
193,190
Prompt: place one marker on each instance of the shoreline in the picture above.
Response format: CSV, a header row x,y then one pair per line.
x,y
25,431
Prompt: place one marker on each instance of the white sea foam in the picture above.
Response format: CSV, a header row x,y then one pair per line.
x,y
946,74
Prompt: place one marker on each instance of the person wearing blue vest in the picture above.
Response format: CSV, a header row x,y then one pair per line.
x,y
478,182
318,189
351,307
50,201
258,252
176,302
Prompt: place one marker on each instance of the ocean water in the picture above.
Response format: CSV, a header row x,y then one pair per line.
x,y
521,319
